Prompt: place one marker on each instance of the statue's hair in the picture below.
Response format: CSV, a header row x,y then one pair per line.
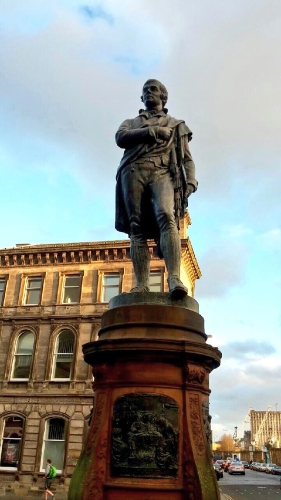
x,y
164,96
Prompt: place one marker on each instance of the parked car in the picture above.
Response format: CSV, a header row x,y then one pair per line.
x,y
219,470
255,465
276,470
262,467
269,467
245,463
252,465
236,468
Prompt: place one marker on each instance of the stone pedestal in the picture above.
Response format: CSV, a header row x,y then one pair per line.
x,y
150,436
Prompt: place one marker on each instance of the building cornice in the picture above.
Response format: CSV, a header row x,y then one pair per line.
x,y
57,254
189,260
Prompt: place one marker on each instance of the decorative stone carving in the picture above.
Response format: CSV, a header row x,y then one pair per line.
x,y
196,427
144,441
195,374
207,421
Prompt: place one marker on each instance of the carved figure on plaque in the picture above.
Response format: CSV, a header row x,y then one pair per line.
x,y
144,436
154,180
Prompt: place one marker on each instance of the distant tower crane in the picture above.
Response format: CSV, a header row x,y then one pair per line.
x,y
239,434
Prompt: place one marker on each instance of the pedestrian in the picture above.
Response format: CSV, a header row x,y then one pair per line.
x,y
48,480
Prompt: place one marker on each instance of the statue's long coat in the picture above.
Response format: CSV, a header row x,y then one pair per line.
x,y
181,166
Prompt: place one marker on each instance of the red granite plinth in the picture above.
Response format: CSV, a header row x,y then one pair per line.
x,y
149,437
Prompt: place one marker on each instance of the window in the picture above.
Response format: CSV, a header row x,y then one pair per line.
x,y
156,281
111,286
71,289
23,356
11,442
3,282
54,443
63,355
33,290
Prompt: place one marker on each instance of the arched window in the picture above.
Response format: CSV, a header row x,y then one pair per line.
x,y
10,444
54,443
63,356
23,356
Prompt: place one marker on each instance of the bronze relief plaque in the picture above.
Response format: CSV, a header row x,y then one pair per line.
x,y
144,440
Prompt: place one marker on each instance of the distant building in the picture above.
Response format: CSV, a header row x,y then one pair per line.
x,y
265,428
52,298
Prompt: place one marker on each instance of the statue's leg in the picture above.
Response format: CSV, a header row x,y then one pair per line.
x,y
133,187
141,263
163,205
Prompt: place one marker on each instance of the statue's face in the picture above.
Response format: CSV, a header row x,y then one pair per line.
x,y
151,95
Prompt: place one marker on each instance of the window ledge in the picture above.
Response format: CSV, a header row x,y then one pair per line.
x,y
17,380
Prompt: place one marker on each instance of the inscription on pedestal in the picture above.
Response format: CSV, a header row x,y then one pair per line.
x,y
144,436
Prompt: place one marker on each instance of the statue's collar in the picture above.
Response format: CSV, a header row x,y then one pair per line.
x,y
148,114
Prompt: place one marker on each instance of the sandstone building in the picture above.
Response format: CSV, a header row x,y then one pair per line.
x,y
51,301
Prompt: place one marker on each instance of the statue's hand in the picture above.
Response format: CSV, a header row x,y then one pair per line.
x,y
164,133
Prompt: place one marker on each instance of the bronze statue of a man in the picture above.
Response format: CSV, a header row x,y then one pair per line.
x,y
154,180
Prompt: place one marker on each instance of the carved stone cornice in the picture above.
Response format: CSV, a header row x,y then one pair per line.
x,y
69,253
189,260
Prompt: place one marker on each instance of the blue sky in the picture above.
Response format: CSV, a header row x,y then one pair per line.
x,y
72,71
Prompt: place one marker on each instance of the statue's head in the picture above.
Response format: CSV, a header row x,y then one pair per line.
x,y
154,93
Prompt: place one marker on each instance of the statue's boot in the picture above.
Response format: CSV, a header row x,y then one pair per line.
x,y
171,249
141,262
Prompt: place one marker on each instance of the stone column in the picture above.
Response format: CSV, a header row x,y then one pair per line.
x,y
149,435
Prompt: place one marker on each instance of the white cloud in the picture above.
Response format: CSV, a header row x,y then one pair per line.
x,y
272,239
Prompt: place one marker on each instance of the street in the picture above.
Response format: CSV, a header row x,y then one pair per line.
x,y
254,485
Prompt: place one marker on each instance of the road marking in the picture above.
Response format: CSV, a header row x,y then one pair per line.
x,y
226,496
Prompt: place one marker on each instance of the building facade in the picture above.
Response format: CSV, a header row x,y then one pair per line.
x,y
52,298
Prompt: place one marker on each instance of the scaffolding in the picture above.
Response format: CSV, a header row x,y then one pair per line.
x,y
266,427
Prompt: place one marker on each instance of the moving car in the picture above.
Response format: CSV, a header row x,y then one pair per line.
x,y
218,471
236,468
218,468
245,463
226,465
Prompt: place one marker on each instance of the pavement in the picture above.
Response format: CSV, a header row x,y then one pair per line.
x,y
60,495
34,495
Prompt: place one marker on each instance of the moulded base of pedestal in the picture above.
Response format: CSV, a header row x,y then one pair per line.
x,y
152,316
